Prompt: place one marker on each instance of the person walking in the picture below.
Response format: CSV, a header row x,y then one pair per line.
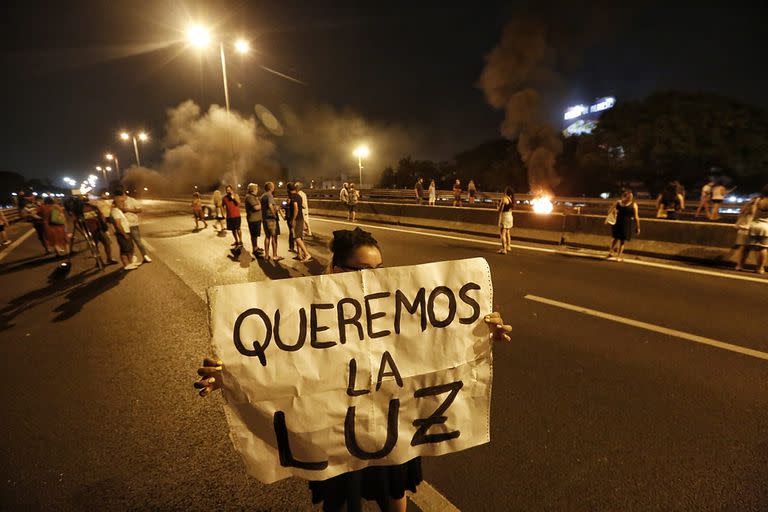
x,y
3,226
269,217
432,193
218,213
354,197
418,189
457,193
626,213
28,211
197,211
344,197
758,230
670,202
290,187
705,202
742,233
123,233
296,214
506,205
231,205
305,211
472,191
352,251
54,221
254,218
132,209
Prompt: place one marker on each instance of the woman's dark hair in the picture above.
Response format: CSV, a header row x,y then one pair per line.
x,y
510,193
48,200
346,241
764,192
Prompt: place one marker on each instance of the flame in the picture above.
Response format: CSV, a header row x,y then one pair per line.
x,y
542,204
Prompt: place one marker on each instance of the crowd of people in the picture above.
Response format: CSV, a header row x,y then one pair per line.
x,y
57,224
263,213
457,191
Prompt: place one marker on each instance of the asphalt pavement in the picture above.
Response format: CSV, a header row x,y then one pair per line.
x,y
625,387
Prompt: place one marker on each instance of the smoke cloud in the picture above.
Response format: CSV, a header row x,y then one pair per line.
x,y
207,149
319,141
516,74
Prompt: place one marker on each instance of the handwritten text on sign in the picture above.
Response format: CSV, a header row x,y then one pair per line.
x,y
329,374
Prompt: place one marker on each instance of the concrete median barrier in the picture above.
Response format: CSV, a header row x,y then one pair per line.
x,y
710,243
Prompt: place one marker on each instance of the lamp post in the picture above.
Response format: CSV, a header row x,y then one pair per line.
x,y
103,172
361,152
142,136
111,157
201,38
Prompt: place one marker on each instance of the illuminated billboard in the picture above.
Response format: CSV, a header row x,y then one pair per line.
x,y
583,118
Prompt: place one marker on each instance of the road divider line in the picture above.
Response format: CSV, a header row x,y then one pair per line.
x,y
652,327
15,244
429,499
738,277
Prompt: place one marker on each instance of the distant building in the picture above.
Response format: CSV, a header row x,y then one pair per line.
x,y
581,119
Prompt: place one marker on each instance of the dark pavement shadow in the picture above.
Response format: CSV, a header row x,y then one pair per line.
x,y
273,269
34,298
173,233
83,294
23,264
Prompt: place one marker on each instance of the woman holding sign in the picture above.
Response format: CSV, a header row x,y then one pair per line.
x,y
356,250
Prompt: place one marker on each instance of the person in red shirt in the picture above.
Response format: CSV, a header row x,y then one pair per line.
x,y
231,204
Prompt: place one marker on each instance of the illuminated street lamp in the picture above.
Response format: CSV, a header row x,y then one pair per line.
x,y
200,37
361,152
110,157
142,136
103,172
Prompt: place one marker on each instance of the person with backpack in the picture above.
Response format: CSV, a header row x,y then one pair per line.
x,y
54,220
354,196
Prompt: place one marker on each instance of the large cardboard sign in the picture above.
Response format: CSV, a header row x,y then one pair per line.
x,y
329,374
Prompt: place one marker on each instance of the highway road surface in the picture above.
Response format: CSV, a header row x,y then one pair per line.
x,y
627,386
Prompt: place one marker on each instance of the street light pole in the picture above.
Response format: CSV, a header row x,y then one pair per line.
x,y
110,157
224,75
360,166
361,152
136,150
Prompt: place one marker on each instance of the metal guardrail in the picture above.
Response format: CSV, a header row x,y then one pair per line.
x,y
11,214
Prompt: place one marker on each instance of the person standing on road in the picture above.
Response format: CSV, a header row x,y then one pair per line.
x,y
344,197
54,221
290,187
353,251
705,203
432,193
269,217
457,193
670,202
742,234
419,190
218,213
197,211
132,209
253,217
3,225
354,196
296,214
626,214
98,227
758,229
231,205
718,196
305,211
472,191
506,205
123,233
29,213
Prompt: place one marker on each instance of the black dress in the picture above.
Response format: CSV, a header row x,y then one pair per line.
x,y
625,216
376,483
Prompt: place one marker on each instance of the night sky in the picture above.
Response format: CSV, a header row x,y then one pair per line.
x,y
76,72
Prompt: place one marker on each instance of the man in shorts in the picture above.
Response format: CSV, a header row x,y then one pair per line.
x,y
254,218
123,233
269,216
231,204
305,210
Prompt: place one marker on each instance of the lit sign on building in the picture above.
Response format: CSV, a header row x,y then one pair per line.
x,y
601,104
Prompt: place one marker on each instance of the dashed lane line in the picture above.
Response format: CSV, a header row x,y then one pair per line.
x,y
652,327
665,266
429,499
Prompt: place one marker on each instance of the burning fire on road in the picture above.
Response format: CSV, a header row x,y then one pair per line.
x,y
542,204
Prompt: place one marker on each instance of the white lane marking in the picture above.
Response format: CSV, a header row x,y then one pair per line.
x,y
15,244
677,268
652,327
429,499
